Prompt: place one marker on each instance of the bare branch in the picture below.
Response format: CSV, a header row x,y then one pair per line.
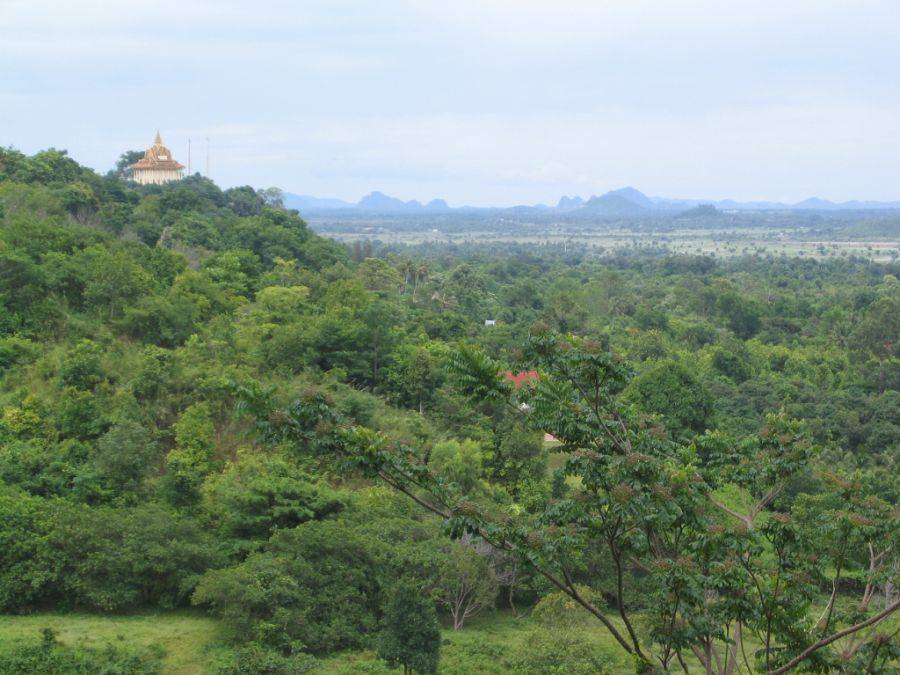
x,y
747,520
824,642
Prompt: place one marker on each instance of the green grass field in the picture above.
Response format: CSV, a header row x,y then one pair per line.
x,y
492,643
191,641
489,644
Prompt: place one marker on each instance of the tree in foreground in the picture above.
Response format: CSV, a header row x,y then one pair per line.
x,y
680,536
411,636
465,583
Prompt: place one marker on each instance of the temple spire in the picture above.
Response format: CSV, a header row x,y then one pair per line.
x,y
157,165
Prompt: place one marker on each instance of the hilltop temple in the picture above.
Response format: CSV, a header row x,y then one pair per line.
x,y
157,166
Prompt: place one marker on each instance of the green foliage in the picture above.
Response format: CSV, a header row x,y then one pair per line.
x,y
415,374
39,467
67,555
640,495
312,588
48,166
133,319
743,316
561,653
410,635
257,493
191,459
80,201
458,461
464,583
518,459
732,360
50,656
22,421
560,610
669,390
82,366
124,457
254,659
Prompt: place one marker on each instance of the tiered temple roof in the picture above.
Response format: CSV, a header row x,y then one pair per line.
x,y
158,156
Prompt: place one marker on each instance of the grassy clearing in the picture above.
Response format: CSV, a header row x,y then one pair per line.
x,y
191,641
194,643
490,644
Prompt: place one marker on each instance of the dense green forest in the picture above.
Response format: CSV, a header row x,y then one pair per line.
x,y
205,404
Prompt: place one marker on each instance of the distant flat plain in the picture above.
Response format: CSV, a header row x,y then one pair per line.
x,y
800,242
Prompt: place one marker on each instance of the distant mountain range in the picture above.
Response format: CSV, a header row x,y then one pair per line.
x,y
374,202
623,202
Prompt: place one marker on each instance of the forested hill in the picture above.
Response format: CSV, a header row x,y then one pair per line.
x,y
180,366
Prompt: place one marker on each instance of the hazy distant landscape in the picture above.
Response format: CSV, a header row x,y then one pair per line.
x,y
808,229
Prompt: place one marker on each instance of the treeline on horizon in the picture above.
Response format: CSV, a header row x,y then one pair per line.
x,y
176,362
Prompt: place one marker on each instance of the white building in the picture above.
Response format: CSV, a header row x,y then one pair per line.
x,y
157,166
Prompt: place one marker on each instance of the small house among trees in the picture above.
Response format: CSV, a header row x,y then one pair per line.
x,y
519,379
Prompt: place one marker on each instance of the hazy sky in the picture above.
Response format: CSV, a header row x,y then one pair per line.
x,y
477,101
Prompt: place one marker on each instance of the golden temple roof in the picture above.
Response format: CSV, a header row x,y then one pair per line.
x,y
157,156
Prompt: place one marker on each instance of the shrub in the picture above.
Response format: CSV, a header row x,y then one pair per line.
x,y
50,656
115,559
70,555
314,587
411,636
15,351
459,461
125,455
255,659
559,610
257,493
81,367
560,653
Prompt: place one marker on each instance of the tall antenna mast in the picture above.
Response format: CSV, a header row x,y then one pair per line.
x,y
207,156
189,157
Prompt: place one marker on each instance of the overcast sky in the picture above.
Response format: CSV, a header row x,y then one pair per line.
x,y
477,101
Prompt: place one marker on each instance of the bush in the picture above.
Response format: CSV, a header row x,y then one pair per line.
x,y
24,573
257,493
411,636
560,610
15,351
733,360
458,461
39,467
50,656
313,587
81,367
192,457
560,653
53,552
254,659
125,455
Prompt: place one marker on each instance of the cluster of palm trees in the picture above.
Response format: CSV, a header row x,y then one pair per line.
x,y
417,274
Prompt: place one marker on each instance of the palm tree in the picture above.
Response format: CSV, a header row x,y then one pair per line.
x,y
407,270
420,275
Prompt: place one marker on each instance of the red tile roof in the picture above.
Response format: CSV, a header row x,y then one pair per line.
x,y
520,378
